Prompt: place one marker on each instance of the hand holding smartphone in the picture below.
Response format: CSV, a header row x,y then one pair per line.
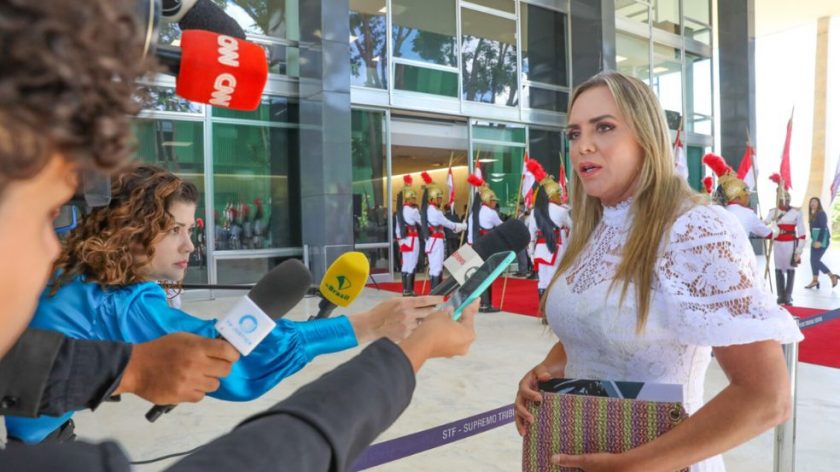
x,y
478,282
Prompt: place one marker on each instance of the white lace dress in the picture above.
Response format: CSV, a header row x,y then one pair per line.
x,y
707,292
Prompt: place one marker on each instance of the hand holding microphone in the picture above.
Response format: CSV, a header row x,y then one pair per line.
x,y
395,318
343,282
179,367
251,319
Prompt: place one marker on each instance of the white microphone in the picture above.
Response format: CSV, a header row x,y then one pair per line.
x,y
252,318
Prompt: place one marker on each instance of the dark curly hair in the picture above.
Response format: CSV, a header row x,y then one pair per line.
x,y
67,83
114,242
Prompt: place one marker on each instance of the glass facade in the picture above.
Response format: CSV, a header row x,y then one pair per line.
x,y
632,56
178,146
435,85
666,43
488,56
544,58
368,49
370,172
499,150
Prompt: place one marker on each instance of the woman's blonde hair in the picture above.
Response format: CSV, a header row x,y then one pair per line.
x,y
659,196
113,244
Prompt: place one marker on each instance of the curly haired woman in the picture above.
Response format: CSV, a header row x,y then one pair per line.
x,y
105,287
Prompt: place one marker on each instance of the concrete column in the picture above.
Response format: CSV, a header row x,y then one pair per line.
x,y
593,38
818,145
325,154
736,41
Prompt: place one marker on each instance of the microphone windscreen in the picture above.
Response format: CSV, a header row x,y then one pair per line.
x,y
281,288
221,70
206,15
512,235
345,278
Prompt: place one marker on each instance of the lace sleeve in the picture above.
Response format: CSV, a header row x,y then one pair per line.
x,y
714,293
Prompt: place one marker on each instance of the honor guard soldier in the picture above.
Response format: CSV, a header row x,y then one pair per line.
x,y
734,195
408,223
549,225
434,222
483,217
787,246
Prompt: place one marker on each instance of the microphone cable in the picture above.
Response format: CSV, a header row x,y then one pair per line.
x,y
168,456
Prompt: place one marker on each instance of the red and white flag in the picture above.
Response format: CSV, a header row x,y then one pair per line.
x,y
784,168
680,158
746,170
450,182
528,180
835,184
562,180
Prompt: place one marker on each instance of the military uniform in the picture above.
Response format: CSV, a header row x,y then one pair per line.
x,y
549,225
788,242
434,222
483,218
547,258
407,233
734,194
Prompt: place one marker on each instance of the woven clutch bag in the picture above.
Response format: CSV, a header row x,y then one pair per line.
x,y
578,424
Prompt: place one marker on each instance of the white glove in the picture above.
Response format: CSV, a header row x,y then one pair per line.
x,y
460,227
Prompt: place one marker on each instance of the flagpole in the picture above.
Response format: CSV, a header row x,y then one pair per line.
x,y
766,244
515,215
469,201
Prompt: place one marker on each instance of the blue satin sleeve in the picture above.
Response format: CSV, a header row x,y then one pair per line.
x,y
142,314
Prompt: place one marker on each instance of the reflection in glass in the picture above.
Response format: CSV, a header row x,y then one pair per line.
x,y
164,99
699,88
424,30
544,46
272,109
277,18
245,271
501,5
178,146
368,55
633,10
666,15
546,146
501,165
489,58
370,209
698,20
378,259
545,99
632,56
253,204
420,79
667,82
283,59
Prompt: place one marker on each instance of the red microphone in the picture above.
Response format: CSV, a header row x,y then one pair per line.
x,y
221,70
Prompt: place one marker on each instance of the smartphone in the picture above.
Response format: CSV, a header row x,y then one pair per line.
x,y
478,281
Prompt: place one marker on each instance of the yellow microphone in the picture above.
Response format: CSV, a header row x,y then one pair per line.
x,y
343,282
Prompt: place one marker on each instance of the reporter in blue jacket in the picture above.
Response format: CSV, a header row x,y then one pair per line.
x,y
105,287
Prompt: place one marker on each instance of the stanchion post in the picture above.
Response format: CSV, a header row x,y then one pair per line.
x,y
784,448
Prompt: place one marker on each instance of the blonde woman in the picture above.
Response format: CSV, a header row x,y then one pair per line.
x,y
652,282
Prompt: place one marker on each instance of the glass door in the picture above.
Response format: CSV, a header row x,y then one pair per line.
x,y
436,147
371,226
498,149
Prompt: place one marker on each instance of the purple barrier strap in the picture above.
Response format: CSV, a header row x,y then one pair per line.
x,y
405,446
815,320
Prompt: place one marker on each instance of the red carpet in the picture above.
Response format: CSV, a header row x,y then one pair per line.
x,y
820,346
